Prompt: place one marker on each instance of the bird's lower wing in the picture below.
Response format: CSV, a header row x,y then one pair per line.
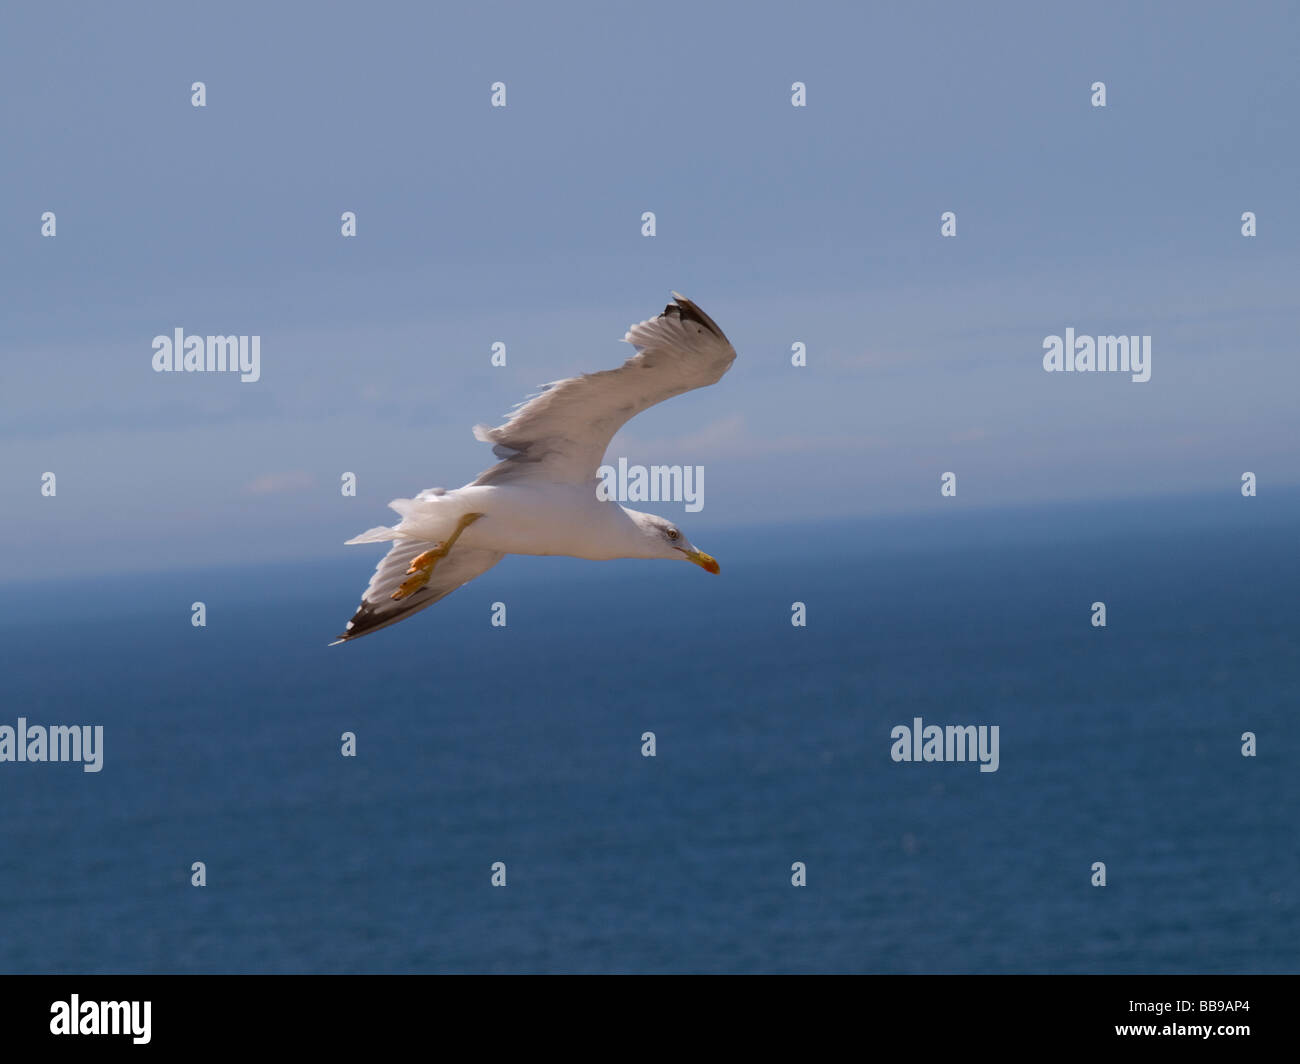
x,y
379,609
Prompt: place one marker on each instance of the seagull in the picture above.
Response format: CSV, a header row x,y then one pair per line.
x,y
541,497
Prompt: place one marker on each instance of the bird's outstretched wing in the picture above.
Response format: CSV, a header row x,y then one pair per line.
x,y
561,434
379,609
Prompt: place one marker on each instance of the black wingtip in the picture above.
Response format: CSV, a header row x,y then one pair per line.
x,y
685,310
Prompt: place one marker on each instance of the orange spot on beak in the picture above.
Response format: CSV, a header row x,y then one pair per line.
x,y
706,562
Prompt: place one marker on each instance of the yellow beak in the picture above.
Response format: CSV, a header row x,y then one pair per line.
x,y
704,561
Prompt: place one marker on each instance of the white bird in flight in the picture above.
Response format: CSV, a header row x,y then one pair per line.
x,y
541,497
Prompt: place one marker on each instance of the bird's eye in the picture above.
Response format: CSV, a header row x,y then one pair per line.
x,y
673,533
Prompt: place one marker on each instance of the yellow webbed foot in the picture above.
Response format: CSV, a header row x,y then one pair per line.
x,y
421,567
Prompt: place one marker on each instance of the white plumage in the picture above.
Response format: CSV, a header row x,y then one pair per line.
x,y
541,497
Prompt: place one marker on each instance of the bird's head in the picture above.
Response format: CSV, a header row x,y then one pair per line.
x,y
661,538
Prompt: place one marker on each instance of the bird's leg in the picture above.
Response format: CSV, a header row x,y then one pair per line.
x,y
422,565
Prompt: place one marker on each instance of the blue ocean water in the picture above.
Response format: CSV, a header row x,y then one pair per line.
x,y
523,745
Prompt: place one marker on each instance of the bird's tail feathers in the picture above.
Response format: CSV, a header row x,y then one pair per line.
x,y
405,507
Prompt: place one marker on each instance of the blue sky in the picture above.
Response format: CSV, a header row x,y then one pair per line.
x,y
522,225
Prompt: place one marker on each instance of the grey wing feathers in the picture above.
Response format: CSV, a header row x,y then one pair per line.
x,y
561,434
